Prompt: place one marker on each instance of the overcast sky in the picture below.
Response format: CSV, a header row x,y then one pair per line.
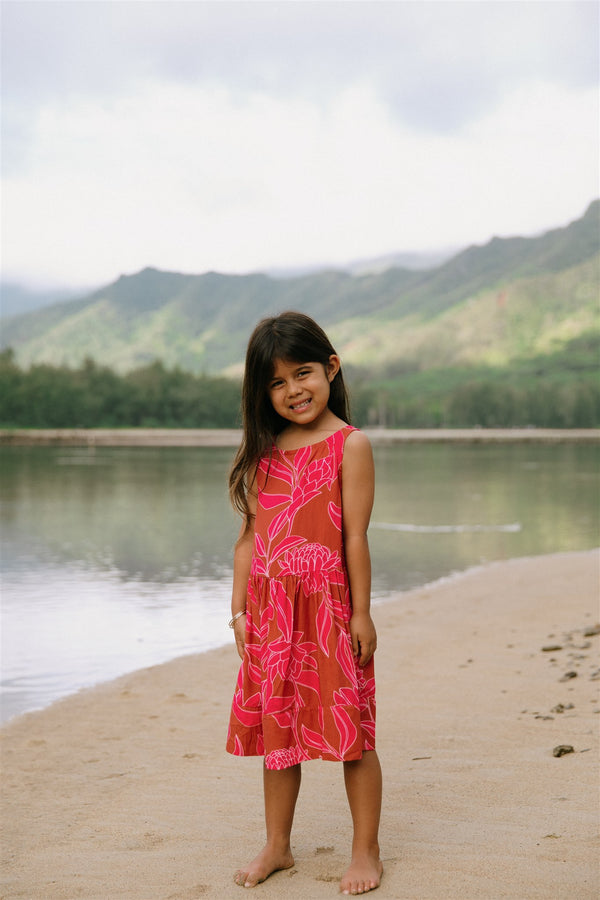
x,y
236,136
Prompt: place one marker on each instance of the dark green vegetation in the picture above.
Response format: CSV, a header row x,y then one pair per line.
x,y
504,334
556,391
93,396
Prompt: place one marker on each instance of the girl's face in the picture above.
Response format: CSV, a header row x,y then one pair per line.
x,y
299,392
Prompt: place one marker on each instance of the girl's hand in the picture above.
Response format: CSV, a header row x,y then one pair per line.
x,y
364,637
239,630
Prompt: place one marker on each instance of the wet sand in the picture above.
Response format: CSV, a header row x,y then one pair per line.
x,y
125,791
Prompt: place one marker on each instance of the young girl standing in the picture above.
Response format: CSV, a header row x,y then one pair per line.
x,y
303,481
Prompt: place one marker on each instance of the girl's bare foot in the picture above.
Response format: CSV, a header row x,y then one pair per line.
x,y
362,875
263,865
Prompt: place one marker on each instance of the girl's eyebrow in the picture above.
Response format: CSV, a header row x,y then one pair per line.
x,y
298,368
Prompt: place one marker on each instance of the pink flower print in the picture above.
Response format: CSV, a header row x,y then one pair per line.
x,y
276,468
286,544
318,741
300,496
292,663
366,688
301,457
320,472
259,545
306,481
345,656
238,747
338,600
312,564
280,610
257,566
282,759
289,660
324,623
346,696
299,680
335,514
270,501
247,710
345,727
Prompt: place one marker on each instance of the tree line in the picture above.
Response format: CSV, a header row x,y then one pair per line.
x,y
485,404
94,396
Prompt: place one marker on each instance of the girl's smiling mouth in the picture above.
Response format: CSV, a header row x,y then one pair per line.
x,y
299,406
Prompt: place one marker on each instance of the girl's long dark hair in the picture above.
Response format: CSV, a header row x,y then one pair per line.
x,y
291,337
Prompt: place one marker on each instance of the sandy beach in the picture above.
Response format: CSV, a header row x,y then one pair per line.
x,y
125,792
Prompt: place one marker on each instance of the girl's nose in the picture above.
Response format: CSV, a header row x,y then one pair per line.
x,y
294,389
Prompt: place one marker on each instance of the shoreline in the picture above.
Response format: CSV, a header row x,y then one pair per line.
x,y
381,601
230,437
125,789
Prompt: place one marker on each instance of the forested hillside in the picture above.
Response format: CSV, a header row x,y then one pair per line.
x,y
507,334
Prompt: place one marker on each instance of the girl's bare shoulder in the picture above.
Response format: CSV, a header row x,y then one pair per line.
x,y
358,444
358,456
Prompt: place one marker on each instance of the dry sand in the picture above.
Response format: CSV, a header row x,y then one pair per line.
x,y
125,791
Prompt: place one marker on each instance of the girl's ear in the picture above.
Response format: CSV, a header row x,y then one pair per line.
x,y
332,367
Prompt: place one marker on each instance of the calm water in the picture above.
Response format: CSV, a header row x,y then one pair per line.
x,y
114,559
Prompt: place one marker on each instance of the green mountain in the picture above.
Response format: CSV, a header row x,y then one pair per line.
x,y
513,298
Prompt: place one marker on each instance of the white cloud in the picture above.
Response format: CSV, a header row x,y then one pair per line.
x,y
194,178
241,135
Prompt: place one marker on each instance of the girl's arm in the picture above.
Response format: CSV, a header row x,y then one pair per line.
x,y
242,560
358,490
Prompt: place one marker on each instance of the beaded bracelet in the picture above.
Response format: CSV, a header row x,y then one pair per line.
x,y
236,617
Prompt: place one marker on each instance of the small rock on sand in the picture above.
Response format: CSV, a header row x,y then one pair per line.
x,y
562,750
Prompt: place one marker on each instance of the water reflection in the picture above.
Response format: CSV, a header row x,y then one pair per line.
x,y
549,492
150,514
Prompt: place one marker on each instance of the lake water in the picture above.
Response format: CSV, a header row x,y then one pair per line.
x,y
115,559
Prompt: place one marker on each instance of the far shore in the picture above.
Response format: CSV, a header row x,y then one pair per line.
x,y
230,437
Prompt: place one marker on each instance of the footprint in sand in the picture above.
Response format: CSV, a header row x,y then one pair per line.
x,y
199,890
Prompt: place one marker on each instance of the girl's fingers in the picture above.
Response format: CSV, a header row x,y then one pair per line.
x,y
240,637
367,649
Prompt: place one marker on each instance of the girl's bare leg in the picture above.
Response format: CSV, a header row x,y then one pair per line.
x,y
281,788
363,787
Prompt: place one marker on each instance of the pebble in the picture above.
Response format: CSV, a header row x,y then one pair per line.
x,y
568,675
562,750
560,707
592,631
550,647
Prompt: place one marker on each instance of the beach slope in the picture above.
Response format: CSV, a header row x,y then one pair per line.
x,y
125,791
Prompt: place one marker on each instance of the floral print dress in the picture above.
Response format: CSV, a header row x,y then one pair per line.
x,y
300,693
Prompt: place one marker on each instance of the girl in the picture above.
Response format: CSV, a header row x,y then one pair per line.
x,y
303,481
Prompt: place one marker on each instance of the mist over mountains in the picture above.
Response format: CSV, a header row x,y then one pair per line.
x,y
512,298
